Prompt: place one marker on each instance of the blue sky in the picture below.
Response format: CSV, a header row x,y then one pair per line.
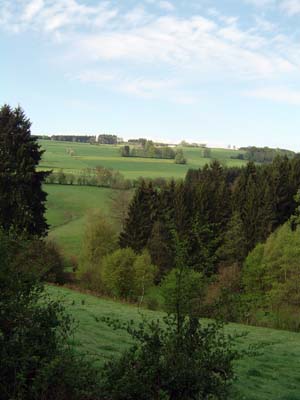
x,y
221,72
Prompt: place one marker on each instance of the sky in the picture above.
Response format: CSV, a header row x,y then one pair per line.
x,y
223,72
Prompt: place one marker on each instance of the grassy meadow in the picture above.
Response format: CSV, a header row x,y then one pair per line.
x,y
67,210
90,156
274,375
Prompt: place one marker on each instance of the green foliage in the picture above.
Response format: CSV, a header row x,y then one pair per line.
x,y
44,258
183,291
179,157
100,240
194,362
207,153
264,154
271,272
223,299
140,219
98,176
127,275
233,249
147,149
22,200
36,360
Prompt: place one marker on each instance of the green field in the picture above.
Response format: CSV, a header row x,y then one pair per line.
x,y
67,211
275,375
90,156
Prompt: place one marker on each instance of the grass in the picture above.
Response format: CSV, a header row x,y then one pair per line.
x,y
67,211
271,376
90,156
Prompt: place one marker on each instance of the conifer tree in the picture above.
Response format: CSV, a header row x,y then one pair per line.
x,y
161,242
233,250
22,200
141,216
283,190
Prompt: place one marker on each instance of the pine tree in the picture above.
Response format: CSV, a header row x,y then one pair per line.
x,y
283,189
141,217
233,251
22,200
161,248
161,243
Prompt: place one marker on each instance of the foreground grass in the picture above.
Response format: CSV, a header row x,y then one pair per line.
x,y
67,210
275,375
90,156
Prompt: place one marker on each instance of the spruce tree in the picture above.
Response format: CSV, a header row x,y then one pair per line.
x,y
161,244
22,200
283,190
141,217
233,251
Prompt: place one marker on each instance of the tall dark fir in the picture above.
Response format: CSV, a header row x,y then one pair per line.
x,y
22,199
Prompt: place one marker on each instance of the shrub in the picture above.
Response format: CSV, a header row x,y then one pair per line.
x,y
127,275
36,360
184,289
179,158
190,361
100,240
223,298
40,257
271,276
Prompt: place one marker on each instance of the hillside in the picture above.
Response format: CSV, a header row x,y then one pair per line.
x,y
67,210
271,376
90,156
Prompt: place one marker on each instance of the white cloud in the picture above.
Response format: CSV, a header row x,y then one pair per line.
x,y
264,24
260,3
291,7
194,48
166,5
32,9
277,94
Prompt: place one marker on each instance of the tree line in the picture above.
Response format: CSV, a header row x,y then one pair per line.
x,y
262,155
221,213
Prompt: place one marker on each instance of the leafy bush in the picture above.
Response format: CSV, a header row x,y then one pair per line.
x,y
223,299
271,276
36,360
127,275
179,158
184,289
43,258
190,361
100,240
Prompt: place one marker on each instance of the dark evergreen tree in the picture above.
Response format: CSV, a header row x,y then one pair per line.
x,y
267,209
141,217
283,190
22,200
161,243
233,250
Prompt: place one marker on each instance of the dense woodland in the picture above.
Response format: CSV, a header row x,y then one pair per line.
x,y
220,215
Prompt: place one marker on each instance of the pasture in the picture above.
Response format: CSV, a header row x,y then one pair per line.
x,y
67,211
274,375
91,156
